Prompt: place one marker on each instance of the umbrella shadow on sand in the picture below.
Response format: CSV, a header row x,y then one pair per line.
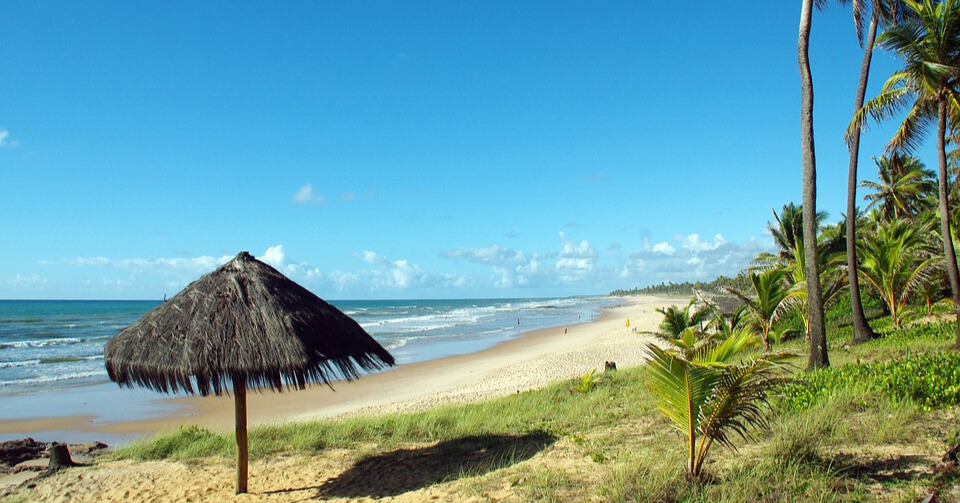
x,y
403,470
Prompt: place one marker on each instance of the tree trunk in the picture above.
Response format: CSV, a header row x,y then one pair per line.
x,y
240,408
861,329
949,255
59,457
818,339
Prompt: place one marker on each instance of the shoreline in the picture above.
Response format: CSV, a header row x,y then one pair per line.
x,y
530,360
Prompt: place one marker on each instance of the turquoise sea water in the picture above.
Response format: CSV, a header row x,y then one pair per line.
x,y
51,352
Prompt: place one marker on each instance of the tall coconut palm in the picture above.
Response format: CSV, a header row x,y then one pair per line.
x,y
894,264
818,337
879,10
929,46
708,391
903,186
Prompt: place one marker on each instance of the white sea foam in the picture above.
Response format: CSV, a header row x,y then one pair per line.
x,y
42,343
54,378
23,363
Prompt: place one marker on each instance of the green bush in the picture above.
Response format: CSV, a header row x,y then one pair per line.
x,y
930,380
929,332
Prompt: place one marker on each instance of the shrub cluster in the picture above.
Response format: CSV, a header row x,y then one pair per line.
x,y
930,380
930,332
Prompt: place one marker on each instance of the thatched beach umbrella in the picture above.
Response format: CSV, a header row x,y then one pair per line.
x,y
247,325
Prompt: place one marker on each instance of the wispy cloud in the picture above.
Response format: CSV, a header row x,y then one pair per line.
x,y
28,281
490,255
194,264
306,196
511,267
690,258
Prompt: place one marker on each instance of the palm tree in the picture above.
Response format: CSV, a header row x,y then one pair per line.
x,y
929,46
830,253
768,302
894,264
903,186
708,390
818,337
788,232
676,320
788,236
878,11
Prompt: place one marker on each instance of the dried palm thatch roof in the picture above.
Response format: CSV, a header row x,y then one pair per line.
x,y
242,321
724,302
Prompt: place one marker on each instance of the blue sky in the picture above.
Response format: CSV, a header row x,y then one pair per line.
x,y
409,150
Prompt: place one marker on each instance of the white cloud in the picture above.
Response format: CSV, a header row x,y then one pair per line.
x,y
203,263
664,248
306,196
5,140
403,273
371,257
274,256
575,261
490,255
277,257
510,267
90,261
31,281
692,258
695,243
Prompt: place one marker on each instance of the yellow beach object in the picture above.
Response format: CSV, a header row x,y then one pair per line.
x,y
628,322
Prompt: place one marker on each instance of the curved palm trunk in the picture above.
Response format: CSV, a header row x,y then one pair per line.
x,y
950,256
861,329
818,339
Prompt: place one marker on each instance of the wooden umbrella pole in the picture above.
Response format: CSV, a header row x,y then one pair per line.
x,y
240,406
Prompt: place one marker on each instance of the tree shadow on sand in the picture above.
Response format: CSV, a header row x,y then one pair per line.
x,y
404,470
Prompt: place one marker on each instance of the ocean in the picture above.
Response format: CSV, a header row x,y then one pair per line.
x,y
47,345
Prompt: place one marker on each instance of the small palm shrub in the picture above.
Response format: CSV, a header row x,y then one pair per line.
x,y
588,382
709,392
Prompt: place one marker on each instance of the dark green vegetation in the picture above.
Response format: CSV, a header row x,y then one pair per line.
x,y
684,288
